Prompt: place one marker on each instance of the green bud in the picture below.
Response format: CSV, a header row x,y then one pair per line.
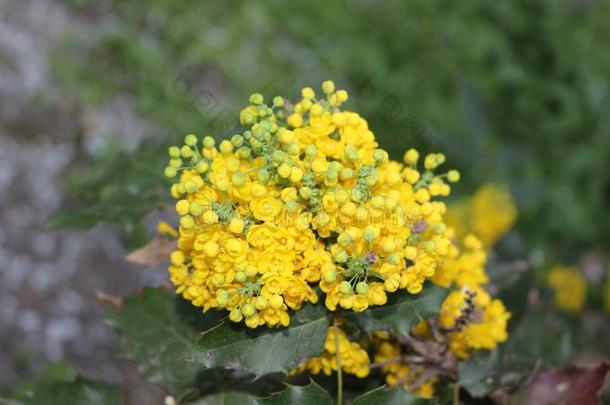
x,y
344,239
175,163
248,310
240,277
293,149
174,152
208,142
277,155
256,98
238,179
190,140
429,246
187,222
346,173
237,140
329,275
170,172
202,167
186,152
278,101
380,155
263,175
369,235
195,209
311,150
351,153
345,287
341,256
244,152
362,287
394,259
191,187
305,192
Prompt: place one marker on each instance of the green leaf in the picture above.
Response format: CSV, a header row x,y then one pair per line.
x,y
159,330
264,350
79,391
387,396
292,394
309,394
401,313
478,374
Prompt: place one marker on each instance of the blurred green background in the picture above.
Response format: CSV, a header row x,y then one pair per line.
x,y
513,92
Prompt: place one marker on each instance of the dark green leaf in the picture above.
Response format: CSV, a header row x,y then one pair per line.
x,y
309,394
79,391
264,350
477,375
159,336
292,394
387,396
402,312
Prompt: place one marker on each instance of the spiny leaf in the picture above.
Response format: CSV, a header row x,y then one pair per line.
x,y
292,394
158,335
387,396
264,350
402,312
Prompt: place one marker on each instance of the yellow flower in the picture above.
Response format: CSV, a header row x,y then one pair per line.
x,y
353,358
488,214
570,288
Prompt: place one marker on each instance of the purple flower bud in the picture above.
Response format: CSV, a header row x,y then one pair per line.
x,y
370,258
419,226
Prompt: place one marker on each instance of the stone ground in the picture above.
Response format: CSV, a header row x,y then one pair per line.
x,y
48,279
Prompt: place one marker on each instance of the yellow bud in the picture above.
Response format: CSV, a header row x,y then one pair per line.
x,y
286,136
236,225
296,175
210,217
316,110
210,248
295,120
342,96
261,302
307,93
411,156
453,176
248,310
284,170
177,257
276,301
182,207
328,86
235,315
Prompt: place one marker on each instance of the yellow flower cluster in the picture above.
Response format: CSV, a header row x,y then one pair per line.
x,y
570,288
469,318
476,320
354,359
399,372
489,213
464,268
303,196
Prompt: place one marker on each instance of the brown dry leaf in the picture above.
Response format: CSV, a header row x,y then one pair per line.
x,y
113,300
574,385
154,252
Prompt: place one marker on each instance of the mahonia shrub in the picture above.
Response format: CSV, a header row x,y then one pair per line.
x,y
303,207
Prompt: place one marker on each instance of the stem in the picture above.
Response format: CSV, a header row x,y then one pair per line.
x,y
456,393
339,371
